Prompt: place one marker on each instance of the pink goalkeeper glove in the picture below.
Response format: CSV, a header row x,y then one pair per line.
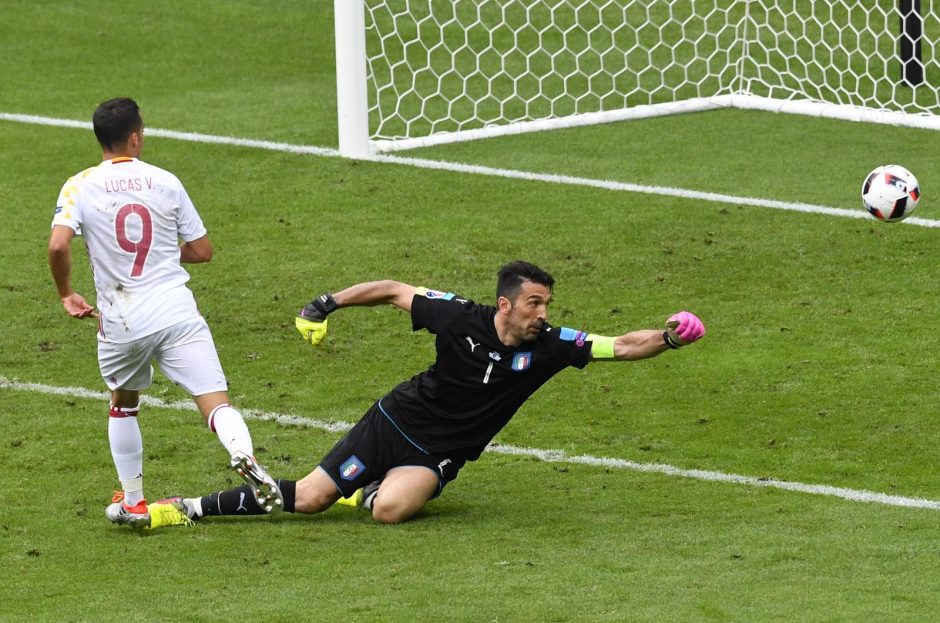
x,y
682,328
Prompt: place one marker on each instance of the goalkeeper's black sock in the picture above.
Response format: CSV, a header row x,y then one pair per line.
x,y
289,491
237,501
241,501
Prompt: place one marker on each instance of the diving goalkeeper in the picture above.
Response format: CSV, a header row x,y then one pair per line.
x,y
417,437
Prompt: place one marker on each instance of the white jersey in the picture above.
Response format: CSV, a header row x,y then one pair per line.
x,y
133,215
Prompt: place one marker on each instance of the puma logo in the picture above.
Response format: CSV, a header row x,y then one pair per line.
x,y
443,464
472,345
241,503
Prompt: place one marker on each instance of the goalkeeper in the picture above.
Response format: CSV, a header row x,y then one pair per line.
x,y
416,438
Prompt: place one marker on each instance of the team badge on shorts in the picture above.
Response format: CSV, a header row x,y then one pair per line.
x,y
521,361
351,468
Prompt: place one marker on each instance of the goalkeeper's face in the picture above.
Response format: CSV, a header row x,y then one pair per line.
x,y
528,311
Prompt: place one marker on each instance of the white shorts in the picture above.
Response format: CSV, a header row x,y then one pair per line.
x,y
185,353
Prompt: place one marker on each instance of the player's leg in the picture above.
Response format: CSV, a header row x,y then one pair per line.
x,y
126,370
340,473
225,421
312,494
189,358
395,478
315,492
403,492
127,444
237,501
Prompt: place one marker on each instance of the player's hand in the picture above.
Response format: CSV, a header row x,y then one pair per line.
x,y
77,307
312,331
683,328
311,322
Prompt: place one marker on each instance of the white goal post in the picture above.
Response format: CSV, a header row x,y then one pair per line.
x,y
413,73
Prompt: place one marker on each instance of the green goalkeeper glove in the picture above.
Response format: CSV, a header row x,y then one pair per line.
x,y
311,322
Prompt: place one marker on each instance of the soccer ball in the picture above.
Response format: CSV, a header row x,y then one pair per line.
x,y
890,193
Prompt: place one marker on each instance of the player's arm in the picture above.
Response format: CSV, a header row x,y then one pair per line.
x,y
312,322
681,329
376,293
60,263
196,251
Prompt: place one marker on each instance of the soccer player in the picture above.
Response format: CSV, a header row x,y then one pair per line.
x,y
139,224
416,438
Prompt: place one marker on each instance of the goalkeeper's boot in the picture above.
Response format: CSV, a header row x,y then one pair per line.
x,y
362,498
136,516
267,493
355,500
169,512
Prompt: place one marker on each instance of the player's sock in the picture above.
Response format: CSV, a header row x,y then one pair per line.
x,y
368,499
240,501
227,422
127,450
237,501
289,492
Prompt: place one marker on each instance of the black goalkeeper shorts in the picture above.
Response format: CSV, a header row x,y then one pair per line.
x,y
374,446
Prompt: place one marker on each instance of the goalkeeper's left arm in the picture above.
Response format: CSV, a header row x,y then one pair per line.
x,y
681,329
311,322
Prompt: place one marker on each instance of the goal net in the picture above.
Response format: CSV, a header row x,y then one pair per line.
x,y
422,72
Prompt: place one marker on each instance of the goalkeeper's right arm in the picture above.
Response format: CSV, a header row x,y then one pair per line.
x,y
311,322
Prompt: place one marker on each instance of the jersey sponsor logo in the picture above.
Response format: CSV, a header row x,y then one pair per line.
x,y
572,335
521,361
434,294
58,209
351,468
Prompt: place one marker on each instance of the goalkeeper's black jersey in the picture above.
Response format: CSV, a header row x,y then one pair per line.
x,y
476,383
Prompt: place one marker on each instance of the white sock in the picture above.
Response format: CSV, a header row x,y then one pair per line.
x,y
196,505
228,424
127,450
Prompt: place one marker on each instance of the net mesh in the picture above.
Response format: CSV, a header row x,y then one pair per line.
x,y
436,66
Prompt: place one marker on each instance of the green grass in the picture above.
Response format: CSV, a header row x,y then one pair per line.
x,y
818,366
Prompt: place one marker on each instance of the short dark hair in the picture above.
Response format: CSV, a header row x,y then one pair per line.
x,y
511,276
115,120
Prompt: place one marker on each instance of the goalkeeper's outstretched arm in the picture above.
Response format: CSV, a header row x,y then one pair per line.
x,y
681,329
312,321
376,293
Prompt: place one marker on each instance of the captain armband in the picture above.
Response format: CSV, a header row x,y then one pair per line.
x,y
602,347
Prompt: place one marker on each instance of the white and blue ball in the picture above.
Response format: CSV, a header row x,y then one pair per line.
x,y
890,193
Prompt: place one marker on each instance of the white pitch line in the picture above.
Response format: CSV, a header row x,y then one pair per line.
x,y
184,405
456,167
548,456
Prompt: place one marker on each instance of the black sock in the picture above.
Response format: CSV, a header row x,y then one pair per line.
x,y
289,491
240,501
237,501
